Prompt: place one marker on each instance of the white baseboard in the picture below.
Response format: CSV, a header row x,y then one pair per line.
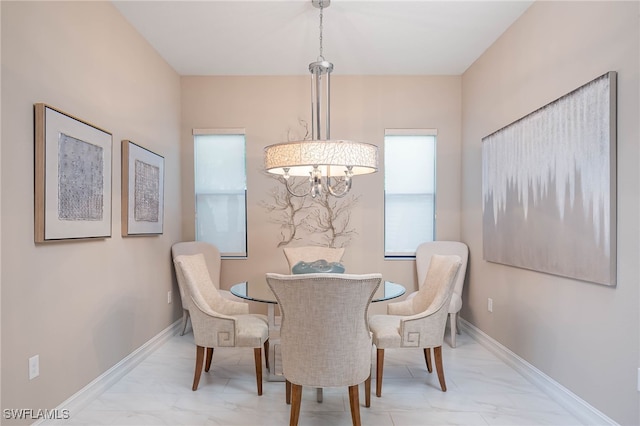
x,y
587,414
89,393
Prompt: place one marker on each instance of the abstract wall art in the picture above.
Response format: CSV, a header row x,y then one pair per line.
x,y
142,190
549,187
72,177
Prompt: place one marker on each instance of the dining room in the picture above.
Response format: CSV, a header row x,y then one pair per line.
x,y
98,315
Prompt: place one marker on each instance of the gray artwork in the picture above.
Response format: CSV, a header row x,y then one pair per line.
x,y
80,180
146,192
548,203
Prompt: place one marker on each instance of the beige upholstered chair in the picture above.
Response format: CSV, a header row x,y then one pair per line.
x,y
216,321
325,337
423,258
419,322
311,254
212,258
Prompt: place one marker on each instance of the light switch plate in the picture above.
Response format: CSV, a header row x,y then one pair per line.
x,y
34,367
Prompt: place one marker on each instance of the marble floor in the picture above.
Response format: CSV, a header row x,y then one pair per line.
x,y
482,390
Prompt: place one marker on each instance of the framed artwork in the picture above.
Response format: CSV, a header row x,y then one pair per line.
x,y
549,187
142,191
72,177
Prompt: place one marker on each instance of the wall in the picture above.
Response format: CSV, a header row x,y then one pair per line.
x,y
585,336
361,108
82,306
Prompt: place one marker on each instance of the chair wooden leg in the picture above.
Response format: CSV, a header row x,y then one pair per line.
x,y
287,391
257,355
207,364
199,361
354,403
453,322
427,359
437,352
379,365
367,392
296,399
266,353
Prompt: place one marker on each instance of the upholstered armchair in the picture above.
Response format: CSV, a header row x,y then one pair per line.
x,y
325,337
212,258
423,259
418,322
216,321
311,254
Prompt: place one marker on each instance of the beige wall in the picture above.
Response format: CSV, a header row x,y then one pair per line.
x,y
361,108
82,306
585,336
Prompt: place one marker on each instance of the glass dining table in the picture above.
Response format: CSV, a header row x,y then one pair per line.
x,y
258,291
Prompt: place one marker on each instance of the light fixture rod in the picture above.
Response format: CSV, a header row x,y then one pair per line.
x,y
315,121
327,112
327,164
320,3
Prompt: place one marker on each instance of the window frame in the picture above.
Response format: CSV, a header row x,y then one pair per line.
x,y
222,132
388,255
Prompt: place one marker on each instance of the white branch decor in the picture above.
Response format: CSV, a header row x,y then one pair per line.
x,y
321,221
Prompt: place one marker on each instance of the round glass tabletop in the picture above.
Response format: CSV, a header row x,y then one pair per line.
x,y
259,292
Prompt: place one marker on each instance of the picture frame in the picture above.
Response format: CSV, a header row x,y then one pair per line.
x,y
142,191
549,187
72,188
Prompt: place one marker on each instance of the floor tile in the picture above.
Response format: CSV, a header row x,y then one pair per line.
x,y
481,390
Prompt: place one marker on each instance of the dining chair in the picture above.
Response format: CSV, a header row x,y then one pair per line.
x,y
212,258
423,259
311,254
219,322
325,337
418,322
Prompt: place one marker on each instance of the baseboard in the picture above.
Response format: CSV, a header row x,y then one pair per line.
x,y
89,393
587,414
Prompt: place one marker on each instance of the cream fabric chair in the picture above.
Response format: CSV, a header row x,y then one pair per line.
x,y
419,322
325,338
212,258
311,254
216,321
423,259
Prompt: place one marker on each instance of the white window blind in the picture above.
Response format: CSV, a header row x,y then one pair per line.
x,y
221,190
409,190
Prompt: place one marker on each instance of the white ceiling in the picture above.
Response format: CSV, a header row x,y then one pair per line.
x,y
282,37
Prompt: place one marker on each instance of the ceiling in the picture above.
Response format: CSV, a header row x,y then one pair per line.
x,y
281,37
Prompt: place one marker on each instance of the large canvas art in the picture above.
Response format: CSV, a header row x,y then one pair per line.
x,y
549,187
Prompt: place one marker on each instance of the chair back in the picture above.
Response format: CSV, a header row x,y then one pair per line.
x,y
311,254
425,251
437,290
212,259
325,337
198,283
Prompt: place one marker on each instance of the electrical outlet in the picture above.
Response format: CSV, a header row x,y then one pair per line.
x,y
34,367
169,297
490,304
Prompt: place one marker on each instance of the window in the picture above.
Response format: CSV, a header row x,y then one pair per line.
x,y
409,190
221,190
